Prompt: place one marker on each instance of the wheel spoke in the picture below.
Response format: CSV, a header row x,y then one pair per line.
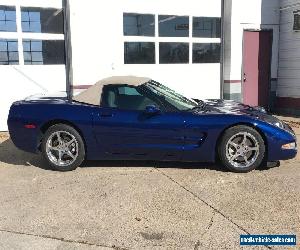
x,y
69,153
244,139
235,145
233,157
58,137
252,149
70,142
53,148
246,160
60,154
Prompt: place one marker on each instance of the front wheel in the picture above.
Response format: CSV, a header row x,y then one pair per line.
x,y
63,147
241,149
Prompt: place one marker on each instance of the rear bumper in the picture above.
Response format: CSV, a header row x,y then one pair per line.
x,y
23,138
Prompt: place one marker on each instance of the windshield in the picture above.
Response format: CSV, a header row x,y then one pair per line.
x,y
178,101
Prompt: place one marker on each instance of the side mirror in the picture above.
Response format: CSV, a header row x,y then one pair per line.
x,y
152,110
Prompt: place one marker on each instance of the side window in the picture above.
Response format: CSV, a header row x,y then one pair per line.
x,y
125,97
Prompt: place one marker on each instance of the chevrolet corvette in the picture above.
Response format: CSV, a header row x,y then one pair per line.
x,y
136,118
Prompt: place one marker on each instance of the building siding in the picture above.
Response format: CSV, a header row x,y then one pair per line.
x,y
289,52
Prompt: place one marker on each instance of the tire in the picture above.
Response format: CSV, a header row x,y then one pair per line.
x,y
238,154
63,147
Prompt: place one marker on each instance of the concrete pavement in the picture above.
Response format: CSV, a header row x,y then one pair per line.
x,y
141,205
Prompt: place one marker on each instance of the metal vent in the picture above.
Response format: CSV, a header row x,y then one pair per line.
x,y
296,26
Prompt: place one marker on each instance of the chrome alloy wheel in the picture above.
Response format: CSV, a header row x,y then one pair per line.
x,y
242,150
62,148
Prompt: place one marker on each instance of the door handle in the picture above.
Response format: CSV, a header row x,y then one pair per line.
x,y
244,78
106,114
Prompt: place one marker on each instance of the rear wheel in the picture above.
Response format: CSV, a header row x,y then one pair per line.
x,y
241,149
63,147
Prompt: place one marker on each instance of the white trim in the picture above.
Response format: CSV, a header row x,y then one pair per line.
x,y
33,3
19,34
57,4
42,36
8,35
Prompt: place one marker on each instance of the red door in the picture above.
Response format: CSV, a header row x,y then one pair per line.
x,y
257,51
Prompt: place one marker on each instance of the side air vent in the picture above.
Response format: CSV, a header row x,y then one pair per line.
x,y
296,26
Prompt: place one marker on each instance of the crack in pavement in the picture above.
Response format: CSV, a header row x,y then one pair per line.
x,y
206,203
62,239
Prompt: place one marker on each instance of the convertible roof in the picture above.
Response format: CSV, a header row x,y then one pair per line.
x,y
92,95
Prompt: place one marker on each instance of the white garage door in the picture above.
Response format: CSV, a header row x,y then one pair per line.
x,y
31,50
174,42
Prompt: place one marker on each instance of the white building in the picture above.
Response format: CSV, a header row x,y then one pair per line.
x,y
181,45
288,88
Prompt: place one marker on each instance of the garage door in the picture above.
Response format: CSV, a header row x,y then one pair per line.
x,y
177,43
31,51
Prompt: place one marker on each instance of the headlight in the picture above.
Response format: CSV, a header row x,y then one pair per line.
x,y
289,146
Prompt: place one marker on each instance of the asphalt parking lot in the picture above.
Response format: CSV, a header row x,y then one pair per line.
x,y
142,205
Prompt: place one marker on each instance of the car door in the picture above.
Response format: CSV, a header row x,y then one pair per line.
x,y
125,131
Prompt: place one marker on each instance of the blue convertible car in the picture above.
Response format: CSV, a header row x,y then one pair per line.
x,y
138,118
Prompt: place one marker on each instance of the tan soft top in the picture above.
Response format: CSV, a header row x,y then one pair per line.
x,y
92,95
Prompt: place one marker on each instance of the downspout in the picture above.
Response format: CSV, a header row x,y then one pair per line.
x,y
222,50
68,50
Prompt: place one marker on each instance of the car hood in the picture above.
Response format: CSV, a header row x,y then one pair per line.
x,y
229,106
220,106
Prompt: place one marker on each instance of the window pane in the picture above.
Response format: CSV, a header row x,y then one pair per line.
x,y
44,51
26,45
3,45
34,27
11,26
13,56
206,52
139,53
27,56
207,27
25,16
42,20
173,52
37,56
3,56
10,15
2,14
12,46
34,16
2,26
36,46
8,19
9,52
173,26
25,27
128,91
138,24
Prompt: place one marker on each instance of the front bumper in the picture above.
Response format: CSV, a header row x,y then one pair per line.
x,y
278,149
